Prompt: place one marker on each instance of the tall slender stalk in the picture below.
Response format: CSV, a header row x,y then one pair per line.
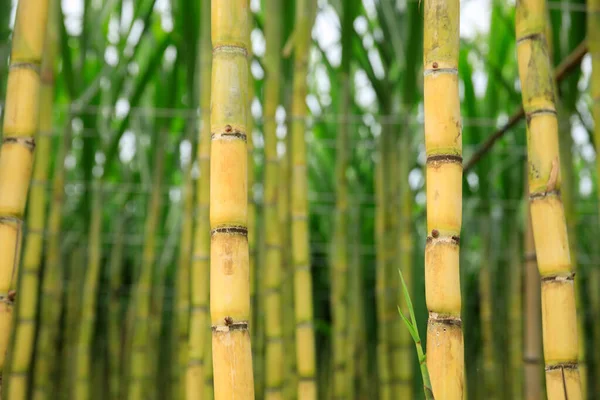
x,y
141,359
21,355
198,360
21,120
85,333
593,40
46,368
272,274
339,254
406,258
532,351
515,318
229,271
383,371
559,317
443,146
305,336
183,283
115,317
290,377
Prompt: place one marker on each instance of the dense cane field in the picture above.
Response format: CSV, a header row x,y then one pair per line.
x,y
214,199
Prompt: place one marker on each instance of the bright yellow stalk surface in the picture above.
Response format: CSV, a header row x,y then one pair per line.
x,y
593,40
532,351
515,316
229,256
198,360
303,296
290,377
443,144
272,274
183,285
383,371
83,384
21,119
406,246
559,319
24,340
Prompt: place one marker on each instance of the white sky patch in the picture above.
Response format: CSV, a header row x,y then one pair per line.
x,y
365,95
579,133
175,194
122,108
415,179
258,42
475,18
70,161
73,11
111,55
136,32
127,14
585,185
127,147
327,33
256,108
361,25
480,79
370,8
100,157
13,13
313,104
185,152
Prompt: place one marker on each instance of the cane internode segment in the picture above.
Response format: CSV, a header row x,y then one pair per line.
x,y
20,124
229,253
443,146
559,318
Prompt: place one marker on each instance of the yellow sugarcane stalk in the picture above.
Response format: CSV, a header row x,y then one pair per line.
x,y
290,376
305,337
183,284
21,120
593,39
406,249
272,275
515,316
383,371
85,333
559,318
198,362
229,255
24,335
443,146
532,350
340,258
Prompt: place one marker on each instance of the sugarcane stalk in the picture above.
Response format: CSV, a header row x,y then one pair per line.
x,y
21,354
229,253
198,361
21,121
443,146
305,336
559,319
85,331
274,356
140,368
